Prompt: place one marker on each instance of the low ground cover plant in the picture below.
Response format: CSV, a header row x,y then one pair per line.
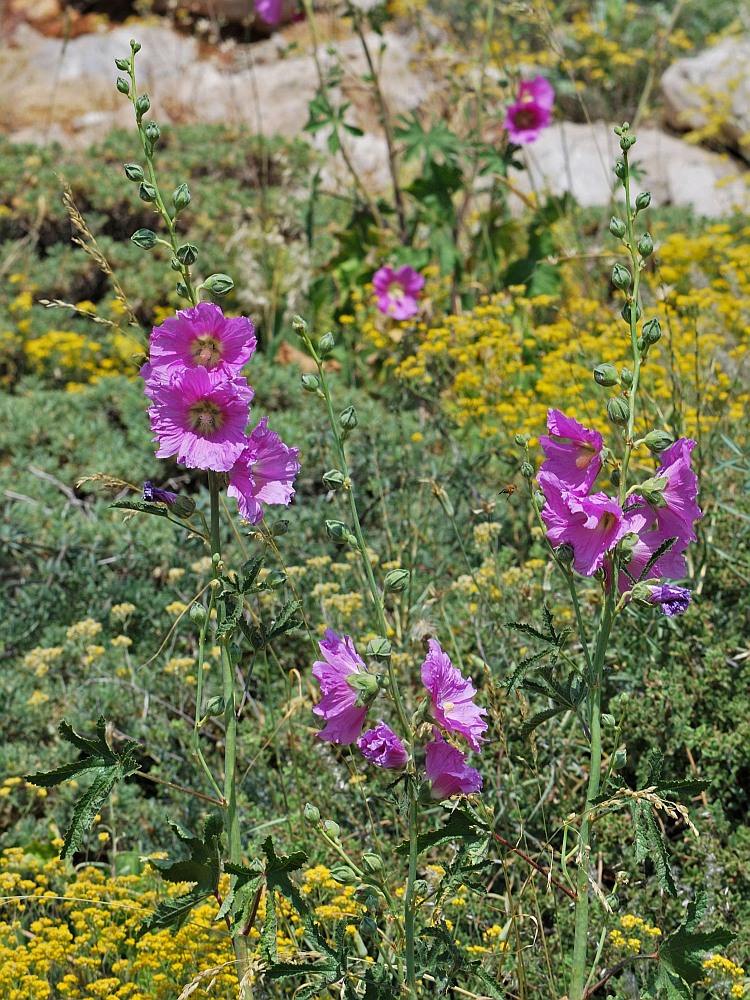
x,y
463,716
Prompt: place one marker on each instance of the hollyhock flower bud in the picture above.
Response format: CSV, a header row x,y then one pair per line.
x,y
617,227
181,197
379,648
531,112
381,746
331,828
651,331
618,410
452,697
447,770
396,580
656,441
218,284
122,85
338,705
645,245
652,491
621,277
606,375
326,344
344,875
133,172
642,200
312,813
146,239
333,480
572,453
398,291
310,382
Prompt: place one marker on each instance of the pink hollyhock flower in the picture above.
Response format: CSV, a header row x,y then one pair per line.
x,y
572,452
452,696
532,112
201,337
339,704
263,473
199,418
383,747
397,291
446,768
591,525
676,520
671,599
269,10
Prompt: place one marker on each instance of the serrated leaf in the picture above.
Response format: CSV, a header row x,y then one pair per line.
x,y
656,556
655,765
249,571
230,614
650,844
460,826
172,913
665,984
87,807
491,987
283,970
204,864
682,787
243,893
683,951
158,509
276,873
529,630
537,719
520,672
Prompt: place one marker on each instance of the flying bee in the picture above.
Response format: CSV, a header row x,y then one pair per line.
x,y
508,490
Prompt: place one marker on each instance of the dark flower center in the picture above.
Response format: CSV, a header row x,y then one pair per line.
x,y
526,118
207,350
205,417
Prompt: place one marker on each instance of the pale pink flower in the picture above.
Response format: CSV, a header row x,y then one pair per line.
x,y
591,525
201,337
397,291
532,112
446,768
263,474
452,696
338,704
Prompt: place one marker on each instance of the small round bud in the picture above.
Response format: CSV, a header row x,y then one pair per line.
x,y
275,579
348,418
621,277
620,169
153,133
182,290
627,312
187,254
332,829
144,238
142,105
657,441
312,813
614,477
122,64
344,875
619,758
606,375
198,615
626,377
626,141
181,198
310,382
618,410
565,553
378,648
122,85
280,527
333,479
133,171
215,705
521,439
183,507
299,326
608,721
175,264
645,245
651,331
368,927
326,344
135,46
396,580
338,532
642,200
372,864
527,470
146,191
218,284
617,227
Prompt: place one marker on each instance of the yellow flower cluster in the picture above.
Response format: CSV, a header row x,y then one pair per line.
x,y
635,931
720,967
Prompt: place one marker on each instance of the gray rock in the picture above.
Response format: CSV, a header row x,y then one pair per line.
x,y
579,159
714,83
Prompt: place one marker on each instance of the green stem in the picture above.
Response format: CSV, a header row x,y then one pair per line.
x,y
410,903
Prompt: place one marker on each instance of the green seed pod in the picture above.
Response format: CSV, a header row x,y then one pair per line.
x,y
215,705
312,813
187,254
619,758
144,238
606,375
182,290
146,191
565,553
310,382
135,46
620,169
332,829
527,470
338,532
618,410
396,580
521,439
617,227
333,479
614,477
608,721
326,344
657,441
122,85
626,141
645,245
344,875
181,198
651,331
183,506
642,200
198,615
621,277
153,133
218,284
133,171
372,864
280,527
348,418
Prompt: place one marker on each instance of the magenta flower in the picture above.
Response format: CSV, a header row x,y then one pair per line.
x,y
152,494
263,473
397,291
199,337
339,702
572,452
200,418
532,112
446,768
452,697
671,599
269,10
591,525
383,747
677,519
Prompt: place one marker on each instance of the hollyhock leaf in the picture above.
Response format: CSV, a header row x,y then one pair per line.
x,y
452,697
460,826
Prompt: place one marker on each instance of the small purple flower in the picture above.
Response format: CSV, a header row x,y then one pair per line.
x,y
383,747
200,418
152,494
263,473
452,697
532,112
338,704
397,291
269,10
591,525
572,452
446,768
201,337
671,599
